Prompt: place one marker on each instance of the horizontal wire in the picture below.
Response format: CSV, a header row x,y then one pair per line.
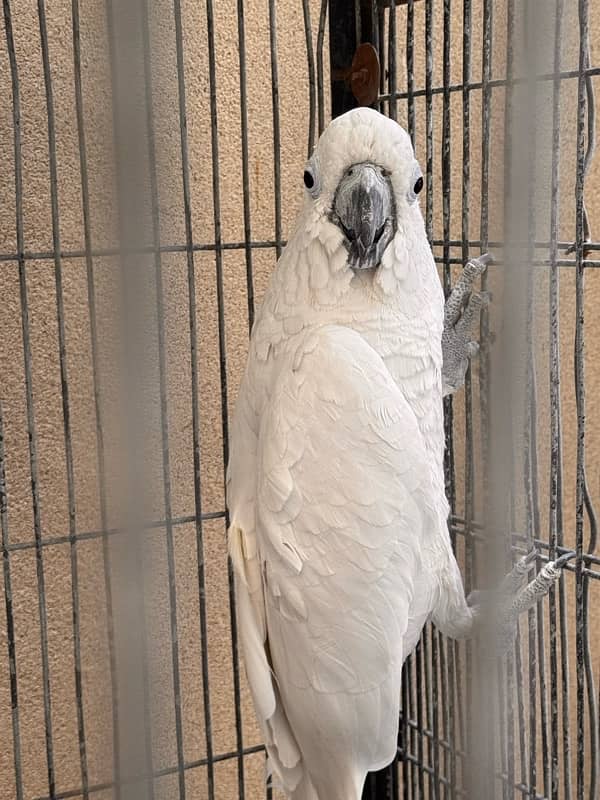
x,y
493,84
521,787
457,524
159,773
149,250
97,534
44,255
539,543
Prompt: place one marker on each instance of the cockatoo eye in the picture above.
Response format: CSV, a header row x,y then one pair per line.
x,y
416,187
312,179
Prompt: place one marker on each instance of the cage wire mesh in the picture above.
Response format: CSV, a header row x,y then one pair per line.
x,y
150,171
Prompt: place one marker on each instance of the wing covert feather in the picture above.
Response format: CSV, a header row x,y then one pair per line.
x,y
343,511
343,488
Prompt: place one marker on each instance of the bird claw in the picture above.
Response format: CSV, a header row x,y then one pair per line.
x,y
460,313
515,595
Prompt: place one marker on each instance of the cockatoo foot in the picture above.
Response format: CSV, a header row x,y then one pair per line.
x,y
514,596
460,313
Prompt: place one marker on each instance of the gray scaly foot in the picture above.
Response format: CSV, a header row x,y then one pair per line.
x,y
515,595
460,313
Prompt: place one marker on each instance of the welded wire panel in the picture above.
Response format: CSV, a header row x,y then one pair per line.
x,y
155,165
151,171
467,136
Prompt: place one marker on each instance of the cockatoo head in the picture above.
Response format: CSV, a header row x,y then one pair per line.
x,y
362,184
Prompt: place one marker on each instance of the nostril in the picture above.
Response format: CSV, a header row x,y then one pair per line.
x,y
348,233
379,233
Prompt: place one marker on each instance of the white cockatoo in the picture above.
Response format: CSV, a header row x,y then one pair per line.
x,y
338,532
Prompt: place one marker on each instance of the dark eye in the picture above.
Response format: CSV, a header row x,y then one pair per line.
x,y
418,186
309,180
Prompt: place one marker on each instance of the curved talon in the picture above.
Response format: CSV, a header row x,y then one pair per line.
x,y
523,565
480,262
540,585
514,579
485,259
559,563
514,599
528,559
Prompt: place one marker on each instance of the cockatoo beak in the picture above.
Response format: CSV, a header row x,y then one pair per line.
x,y
363,208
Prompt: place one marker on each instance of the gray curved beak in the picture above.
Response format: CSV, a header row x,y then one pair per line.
x,y
363,208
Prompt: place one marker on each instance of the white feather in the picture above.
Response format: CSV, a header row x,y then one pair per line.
x,y
336,486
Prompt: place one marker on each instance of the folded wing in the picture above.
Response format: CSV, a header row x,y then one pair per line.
x,y
329,558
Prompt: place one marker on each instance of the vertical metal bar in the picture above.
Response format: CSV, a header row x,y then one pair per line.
x,y
453,648
127,61
405,728
429,117
512,671
185,173
503,753
536,620
164,423
469,449
245,162
62,351
413,734
446,173
435,727
588,504
466,185
357,22
10,621
91,301
429,712
392,78
418,655
446,675
381,52
530,509
447,280
410,68
555,523
310,58
509,673
486,98
531,528
540,611
580,401
521,715
221,328
320,67
375,25
31,427
485,119
446,179
276,127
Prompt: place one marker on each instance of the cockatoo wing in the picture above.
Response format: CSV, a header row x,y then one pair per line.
x,y
344,510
